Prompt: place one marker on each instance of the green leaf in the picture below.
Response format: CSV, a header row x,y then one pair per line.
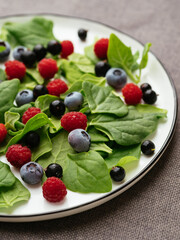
x,y
103,100
100,147
144,59
8,92
14,194
38,30
97,136
33,124
34,74
75,87
100,81
45,145
56,125
87,172
2,75
21,109
122,155
7,179
89,52
27,83
10,119
128,130
152,110
43,102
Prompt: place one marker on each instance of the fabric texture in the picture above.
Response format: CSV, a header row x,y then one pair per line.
x,y
151,208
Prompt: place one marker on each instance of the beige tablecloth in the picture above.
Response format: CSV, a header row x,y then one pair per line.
x,y
151,208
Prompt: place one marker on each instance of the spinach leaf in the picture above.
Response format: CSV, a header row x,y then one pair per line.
x,y
8,92
97,136
43,102
89,52
82,62
21,109
38,30
10,120
122,155
14,194
34,74
56,125
45,145
100,81
27,83
128,130
152,110
103,100
33,124
75,87
7,179
87,172
2,75
100,147
144,59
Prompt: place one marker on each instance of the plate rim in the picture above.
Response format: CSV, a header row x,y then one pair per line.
x,y
128,184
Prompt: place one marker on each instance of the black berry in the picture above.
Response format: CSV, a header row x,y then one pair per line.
x,y
40,51
54,170
101,68
145,86
32,139
57,108
147,147
54,47
149,96
28,58
39,90
82,33
117,173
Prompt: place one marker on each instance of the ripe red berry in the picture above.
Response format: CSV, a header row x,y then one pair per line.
x,y
15,69
101,47
132,94
47,68
54,189
18,155
57,87
31,112
67,48
3,132
74,120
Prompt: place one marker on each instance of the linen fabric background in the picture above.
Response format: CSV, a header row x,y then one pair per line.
x,y
151,208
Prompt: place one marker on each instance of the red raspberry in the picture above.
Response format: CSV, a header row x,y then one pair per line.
x,y
54,189
57,87
18,155
132,94
74,120
67,48
47,68
15,69
101,47
31,112
3,132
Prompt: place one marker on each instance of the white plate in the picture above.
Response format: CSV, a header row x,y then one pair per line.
x,y
37,208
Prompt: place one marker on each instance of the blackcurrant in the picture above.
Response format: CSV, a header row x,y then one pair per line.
x,y
149,96
28,58
117,173
39,90
101,68
145,86
57,108
32,139
40,51
54,170
54,47
82,33
147,147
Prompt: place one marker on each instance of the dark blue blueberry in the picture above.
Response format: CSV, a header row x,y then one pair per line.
x,y
4,50
116,78
18,51
73,101
54,47
40,51
79,140
31,173
39,90
24,96
28,58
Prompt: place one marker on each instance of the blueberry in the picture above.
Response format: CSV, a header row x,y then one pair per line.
x,y
116,78
117,173
101,68
40,51
18,51
145,86
79,140
24,96
73,101
54,170
39,90
82,33
28,58
32,139
4,50
57,108
147,147
149,96
54,47
31,173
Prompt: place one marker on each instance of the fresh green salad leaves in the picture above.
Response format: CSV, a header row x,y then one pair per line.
x,y
7,179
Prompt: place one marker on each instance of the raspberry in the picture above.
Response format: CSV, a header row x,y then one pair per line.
x,y
54,189
3,132
101,47
67,48
18,155
57,87
74,120
15,69
47,68
31,112
132,94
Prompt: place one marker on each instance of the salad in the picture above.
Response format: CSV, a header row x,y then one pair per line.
x,y
68,120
